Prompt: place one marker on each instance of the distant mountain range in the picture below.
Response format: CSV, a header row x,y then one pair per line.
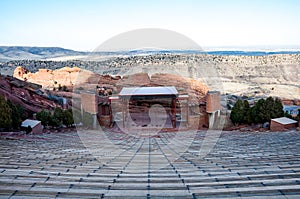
x,y
8,53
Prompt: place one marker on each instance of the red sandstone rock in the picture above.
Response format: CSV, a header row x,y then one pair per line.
x,y
24,94
20,72
53,78
135,80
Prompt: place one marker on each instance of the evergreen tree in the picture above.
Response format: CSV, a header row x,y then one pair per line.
x,y
247,113
54,121
259,112
5,114
68,118
278,109
58,114
262,111
44,116
238,112
16,115
269,109
252,115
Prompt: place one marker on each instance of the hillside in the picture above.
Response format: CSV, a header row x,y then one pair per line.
x,y
8,53
270,74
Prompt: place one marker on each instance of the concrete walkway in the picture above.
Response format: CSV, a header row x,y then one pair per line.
x,y
241,165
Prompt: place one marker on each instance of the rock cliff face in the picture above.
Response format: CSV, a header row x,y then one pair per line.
x,y
70,76
26,94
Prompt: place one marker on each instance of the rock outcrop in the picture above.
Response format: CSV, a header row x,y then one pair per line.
x,y
53,78
28,95
89,81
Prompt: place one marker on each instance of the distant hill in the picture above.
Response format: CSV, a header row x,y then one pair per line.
x,y
9,53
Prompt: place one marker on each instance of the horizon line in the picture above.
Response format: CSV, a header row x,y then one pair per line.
x,y
248,48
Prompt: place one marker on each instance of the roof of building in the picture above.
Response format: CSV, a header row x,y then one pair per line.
x,y
31,123
213,92
148,91
113,97
284,120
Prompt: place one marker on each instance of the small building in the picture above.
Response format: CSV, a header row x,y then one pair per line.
x,y
35,125
282,123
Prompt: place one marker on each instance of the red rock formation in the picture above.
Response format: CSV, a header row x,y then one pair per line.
x,y
194,88
24,94
51,78
135,80
21,72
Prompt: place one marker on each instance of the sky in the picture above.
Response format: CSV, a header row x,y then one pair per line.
x,y
84,25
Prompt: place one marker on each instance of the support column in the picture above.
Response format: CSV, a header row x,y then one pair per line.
x,y
110,112
211,119
187,112
174,112
94,121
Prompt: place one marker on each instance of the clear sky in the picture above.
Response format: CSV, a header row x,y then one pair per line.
x,y
83,25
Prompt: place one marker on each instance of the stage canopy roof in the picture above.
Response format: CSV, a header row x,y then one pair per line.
x,y
149,92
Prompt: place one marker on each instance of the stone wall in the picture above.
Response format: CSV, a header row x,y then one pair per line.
x,y
89,102
213,102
